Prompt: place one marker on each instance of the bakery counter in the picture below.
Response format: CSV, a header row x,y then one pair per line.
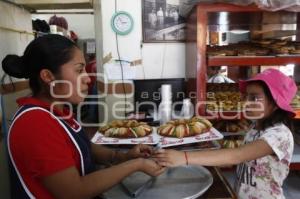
x,y
219,188
295,164
205,182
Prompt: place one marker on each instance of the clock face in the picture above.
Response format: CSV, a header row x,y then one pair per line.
x,y
122,23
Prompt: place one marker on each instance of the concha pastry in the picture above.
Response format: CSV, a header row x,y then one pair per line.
x,y
126,129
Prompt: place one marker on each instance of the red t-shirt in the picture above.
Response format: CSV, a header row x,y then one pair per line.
x,y
40,146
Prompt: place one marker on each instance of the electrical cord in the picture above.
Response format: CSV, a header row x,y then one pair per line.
x,y
121,66
163,62
4,126
143,67
3,81
4,121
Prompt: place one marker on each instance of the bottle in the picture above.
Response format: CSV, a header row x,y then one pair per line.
x,y
165,106
166,92
187,111
165,111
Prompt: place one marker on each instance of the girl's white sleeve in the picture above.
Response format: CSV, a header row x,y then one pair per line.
x,y
280,139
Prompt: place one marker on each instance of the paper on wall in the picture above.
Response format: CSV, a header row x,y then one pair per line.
x,y
90,47
113,70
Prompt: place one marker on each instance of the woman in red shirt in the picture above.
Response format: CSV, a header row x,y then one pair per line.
x,y
49,152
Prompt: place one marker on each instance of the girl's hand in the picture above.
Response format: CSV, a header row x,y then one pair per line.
x,y
150,167
169,158
140,151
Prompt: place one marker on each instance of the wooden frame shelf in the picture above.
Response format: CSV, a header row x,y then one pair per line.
x,y
297,111
198,61
252,60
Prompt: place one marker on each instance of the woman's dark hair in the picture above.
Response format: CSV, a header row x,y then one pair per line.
x,y
278,116
46,52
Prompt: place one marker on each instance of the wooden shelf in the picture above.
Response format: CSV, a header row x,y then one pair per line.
x,y
297,111
252,60
226,115
199,20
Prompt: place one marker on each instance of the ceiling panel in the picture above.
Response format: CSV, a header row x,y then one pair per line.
x,y
55,4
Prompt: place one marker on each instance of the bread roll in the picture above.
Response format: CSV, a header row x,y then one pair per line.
x,y
180,131
198,127
140,131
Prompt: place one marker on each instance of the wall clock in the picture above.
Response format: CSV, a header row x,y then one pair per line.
x,y
122,23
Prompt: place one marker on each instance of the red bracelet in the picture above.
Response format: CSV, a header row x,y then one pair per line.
x,y
186,158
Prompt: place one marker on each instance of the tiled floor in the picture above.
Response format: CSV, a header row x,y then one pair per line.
x,y
291,185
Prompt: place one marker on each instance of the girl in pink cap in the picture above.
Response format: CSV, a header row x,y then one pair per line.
x,y
263,161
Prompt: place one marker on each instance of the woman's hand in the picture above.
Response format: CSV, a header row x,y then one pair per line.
x,y
151,167
140,151
169,158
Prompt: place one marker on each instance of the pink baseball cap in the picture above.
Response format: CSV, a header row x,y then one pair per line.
x,y
282,87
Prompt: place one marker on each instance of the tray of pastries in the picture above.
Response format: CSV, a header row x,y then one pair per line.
x,y
126,129
126,132
173,133
224,98
185,127
186,131
263,47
